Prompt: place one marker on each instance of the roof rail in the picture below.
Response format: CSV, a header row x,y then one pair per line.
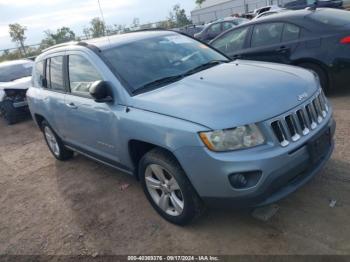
x,y
66,44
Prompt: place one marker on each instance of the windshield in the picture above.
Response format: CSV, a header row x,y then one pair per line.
x,y
13,72
333,17
145,61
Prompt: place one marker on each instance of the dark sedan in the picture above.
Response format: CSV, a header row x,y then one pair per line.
x,y
314,39
212,30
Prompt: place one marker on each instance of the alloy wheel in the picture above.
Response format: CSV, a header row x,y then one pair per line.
x,y
52,141
164,190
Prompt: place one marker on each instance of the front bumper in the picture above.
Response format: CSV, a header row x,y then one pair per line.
x,y
283,171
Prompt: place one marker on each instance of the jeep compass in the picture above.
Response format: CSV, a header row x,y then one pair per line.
x,y
195,128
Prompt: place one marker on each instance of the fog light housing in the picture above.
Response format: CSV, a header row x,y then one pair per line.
x,y
244,180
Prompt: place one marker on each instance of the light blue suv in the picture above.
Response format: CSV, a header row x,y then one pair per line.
x,y
195,128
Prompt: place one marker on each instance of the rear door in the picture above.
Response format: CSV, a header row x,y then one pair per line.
x,y
53,93
273,42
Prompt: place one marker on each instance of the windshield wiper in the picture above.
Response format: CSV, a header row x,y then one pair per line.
x,y
157,83
171,79
204,66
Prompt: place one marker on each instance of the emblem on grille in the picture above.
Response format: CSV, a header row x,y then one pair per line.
x,y
302,96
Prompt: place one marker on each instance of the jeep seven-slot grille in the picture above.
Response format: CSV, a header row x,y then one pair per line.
x,y
292,127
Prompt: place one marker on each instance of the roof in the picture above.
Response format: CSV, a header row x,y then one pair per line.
x,y
116,40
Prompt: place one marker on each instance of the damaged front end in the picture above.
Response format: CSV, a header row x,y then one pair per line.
x,y
13,105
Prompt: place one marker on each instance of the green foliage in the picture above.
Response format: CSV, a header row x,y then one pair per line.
x,y
97,28
62,35
200,2
177,18
17,34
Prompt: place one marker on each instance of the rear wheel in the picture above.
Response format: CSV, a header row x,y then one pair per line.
x,y
55,144
168,189
322,74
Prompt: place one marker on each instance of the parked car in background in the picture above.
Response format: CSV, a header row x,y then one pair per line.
x,y
264,9
190,124
15,79
268,13
346,4
318,40
302,4
212,30
190,30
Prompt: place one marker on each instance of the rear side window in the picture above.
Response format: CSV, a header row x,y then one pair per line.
x,y
56,73
81,74
290,33
39,73
267,34
333,17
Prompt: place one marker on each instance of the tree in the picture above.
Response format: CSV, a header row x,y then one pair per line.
x,y
62,35
98,27
200,2
178,17
86,32
17,34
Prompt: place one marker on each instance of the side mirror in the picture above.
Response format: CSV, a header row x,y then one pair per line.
x,y
101,92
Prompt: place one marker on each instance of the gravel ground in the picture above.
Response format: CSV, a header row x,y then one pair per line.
x,y
78,207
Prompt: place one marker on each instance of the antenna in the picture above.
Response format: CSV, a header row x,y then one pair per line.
x,y
104,21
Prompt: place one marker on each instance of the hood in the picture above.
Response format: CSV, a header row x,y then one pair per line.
x,y
233,94
21,83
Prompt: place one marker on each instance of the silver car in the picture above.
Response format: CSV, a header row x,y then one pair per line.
x,y
15,77
195,128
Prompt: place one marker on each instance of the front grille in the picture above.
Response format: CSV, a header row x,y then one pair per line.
x,y
292,127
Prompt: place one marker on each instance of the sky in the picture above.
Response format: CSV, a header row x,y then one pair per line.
x,y
41,15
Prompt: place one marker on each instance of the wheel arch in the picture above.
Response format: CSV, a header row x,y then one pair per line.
x,y
138,148
318,63
39,119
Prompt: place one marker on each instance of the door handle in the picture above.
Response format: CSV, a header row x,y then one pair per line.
x,y
282,49
72,105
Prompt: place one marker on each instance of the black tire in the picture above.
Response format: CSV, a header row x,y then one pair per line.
x,y
64,153
11,114
322,75
193,206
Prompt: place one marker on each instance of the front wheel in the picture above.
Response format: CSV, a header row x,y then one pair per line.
x,y
168,189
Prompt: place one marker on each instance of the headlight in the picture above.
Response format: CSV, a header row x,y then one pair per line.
x,y
232,139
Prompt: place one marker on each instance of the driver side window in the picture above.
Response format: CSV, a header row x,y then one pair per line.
x,y
215,29
81,75
232,41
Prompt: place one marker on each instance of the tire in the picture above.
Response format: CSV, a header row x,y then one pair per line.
x,y
173,194
10,113
55,144
322,75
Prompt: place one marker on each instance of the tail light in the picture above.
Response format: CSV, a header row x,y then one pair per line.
x,y
345,40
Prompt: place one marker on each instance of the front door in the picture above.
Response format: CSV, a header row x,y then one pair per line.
x,y
90,126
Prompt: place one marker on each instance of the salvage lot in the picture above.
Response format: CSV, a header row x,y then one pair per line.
x,y
83,207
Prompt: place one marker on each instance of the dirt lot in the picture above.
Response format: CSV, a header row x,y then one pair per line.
x,y
78,207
